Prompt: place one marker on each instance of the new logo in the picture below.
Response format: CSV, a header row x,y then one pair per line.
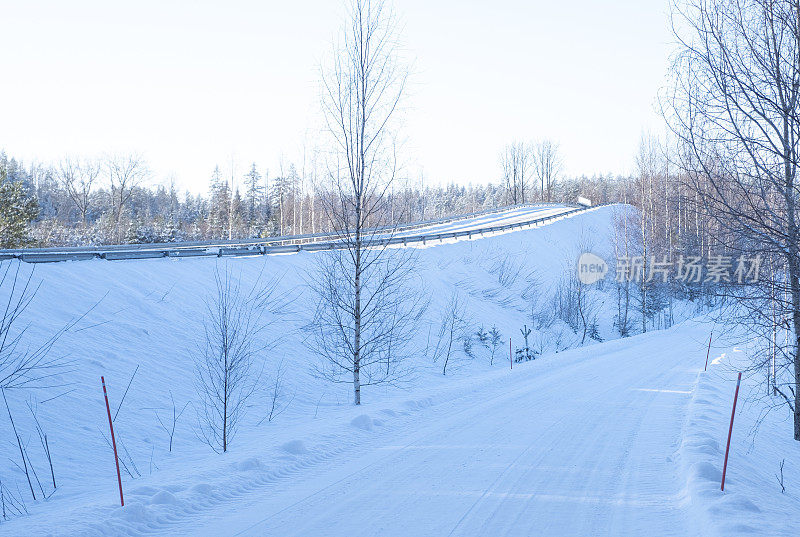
x,y
591,268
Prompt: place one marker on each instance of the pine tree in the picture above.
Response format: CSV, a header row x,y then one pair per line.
x,y
236,214
17,209
220,204
253,195
526,353
282,191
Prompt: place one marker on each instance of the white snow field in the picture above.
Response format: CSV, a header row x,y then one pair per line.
x,y
624,437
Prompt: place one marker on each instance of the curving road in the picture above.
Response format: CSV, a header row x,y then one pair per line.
x,y
502,219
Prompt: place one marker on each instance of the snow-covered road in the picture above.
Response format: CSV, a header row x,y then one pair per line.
x,y
579,445
503,218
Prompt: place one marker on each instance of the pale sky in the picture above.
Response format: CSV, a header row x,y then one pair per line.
x,y
194,84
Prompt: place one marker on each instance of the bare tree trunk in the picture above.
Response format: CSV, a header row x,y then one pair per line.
x,y
226,393
793,260
794,287
357,331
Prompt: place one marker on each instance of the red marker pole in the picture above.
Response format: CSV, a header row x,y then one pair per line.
x,y
730,430
708,351
113,441
510,359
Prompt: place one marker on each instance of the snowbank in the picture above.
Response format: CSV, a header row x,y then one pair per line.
x,y
752,503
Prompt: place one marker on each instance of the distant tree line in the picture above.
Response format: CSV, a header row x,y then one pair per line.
x,y
117,199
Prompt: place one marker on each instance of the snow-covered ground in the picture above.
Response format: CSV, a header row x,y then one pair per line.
x,y
618,438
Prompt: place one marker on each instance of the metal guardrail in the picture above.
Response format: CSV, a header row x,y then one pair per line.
x,y
274,245
292,239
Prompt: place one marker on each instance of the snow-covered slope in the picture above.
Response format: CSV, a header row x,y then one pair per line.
x,y
148,314
583,441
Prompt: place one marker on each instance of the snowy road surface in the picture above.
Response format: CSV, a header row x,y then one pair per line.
x,y
576,444
511,216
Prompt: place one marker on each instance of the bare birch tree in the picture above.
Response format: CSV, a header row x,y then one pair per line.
x,y
623,248
547,166
78,177
516,162
125,173
735,109
362,313
647,165
453,327
230,360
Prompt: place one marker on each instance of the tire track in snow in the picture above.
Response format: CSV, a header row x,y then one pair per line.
x,y
494,400
600,517
501,399
554,440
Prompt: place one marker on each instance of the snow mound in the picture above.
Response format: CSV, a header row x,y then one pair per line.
x,y
295,447
705,471
733,503
249,465
142,491
419,404
202,488
363,422
164,498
